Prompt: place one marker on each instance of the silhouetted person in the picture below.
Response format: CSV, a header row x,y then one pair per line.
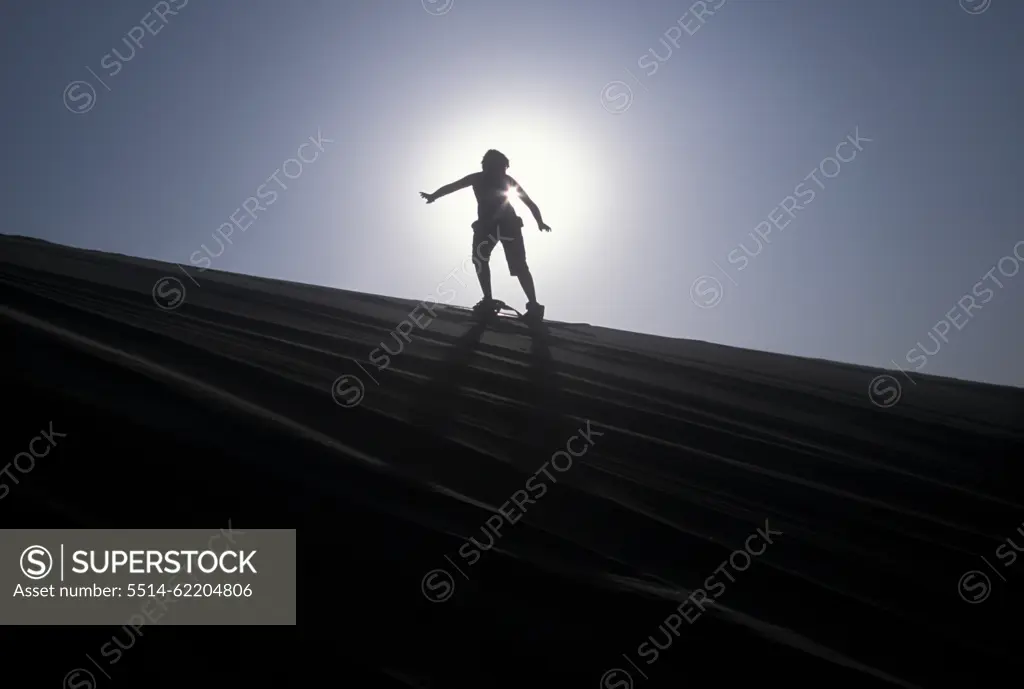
x,y
497,221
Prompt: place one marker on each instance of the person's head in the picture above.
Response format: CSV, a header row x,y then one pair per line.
x,y
494,162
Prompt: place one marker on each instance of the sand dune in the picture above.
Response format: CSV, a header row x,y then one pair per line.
x,y
757,516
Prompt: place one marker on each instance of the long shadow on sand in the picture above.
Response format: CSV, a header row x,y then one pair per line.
x,y
435,407
545,423
551,423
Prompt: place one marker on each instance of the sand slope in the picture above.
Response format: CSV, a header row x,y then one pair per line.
x,y
271,401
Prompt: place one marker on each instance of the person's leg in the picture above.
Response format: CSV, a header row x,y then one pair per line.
x,y
483,274
515,253
526,280
483,245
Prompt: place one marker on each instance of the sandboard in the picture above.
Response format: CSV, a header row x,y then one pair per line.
x,y
505,312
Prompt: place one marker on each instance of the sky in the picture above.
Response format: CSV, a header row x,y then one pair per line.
x,y
834,179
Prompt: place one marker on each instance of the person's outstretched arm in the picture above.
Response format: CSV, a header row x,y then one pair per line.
x,y
449,188
530,204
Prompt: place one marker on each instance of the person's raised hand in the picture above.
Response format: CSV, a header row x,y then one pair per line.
x,y
429,197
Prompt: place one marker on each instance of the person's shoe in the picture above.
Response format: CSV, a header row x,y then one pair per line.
x,y
486,306
534,311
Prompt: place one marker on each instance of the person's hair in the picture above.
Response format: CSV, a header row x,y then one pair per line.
x,y
494,160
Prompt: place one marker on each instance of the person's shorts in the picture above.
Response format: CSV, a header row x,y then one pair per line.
x,y
508,231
